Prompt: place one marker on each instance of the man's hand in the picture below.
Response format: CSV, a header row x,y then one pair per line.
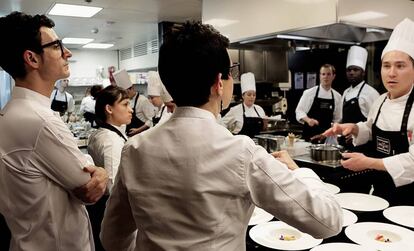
x,y
318,139
347,129
358,162
92,191
133,131
311,122
283,156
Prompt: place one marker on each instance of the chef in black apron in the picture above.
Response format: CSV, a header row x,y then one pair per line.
x,y
137,125
61,100
155,96
390,124
247,117
320,105
358,98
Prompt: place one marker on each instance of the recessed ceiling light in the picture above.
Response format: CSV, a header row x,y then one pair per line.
x,y
71,10
97,46
75,40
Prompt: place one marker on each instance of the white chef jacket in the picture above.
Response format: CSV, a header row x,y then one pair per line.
x,y
233,120
40,166
165,115
197,190
145,111
87,105
400,166
105,147
306,101
366,98
61,97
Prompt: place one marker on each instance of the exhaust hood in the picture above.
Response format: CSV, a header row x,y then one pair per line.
x,y
329,21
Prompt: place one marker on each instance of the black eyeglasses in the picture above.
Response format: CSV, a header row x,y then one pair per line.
x,y
56,42
234,71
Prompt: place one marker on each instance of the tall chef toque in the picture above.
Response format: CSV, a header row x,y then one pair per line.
x,y
156,87
402,39
122,79
247,82
357,56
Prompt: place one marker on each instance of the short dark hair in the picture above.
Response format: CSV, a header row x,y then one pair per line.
x,y
23,33
95,89
190,58
329,66
108,96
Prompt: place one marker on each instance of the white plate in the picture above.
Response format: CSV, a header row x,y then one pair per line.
x,y
268,234
340,246
259,216
332,188
349,218
403,215
364,233
361,202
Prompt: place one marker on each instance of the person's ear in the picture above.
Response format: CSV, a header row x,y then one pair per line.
x,y
218,84
31,58
108,109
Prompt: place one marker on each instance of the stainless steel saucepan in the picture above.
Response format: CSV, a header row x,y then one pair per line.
x,y
326,152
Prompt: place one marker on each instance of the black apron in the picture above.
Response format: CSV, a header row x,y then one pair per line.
x,y
113,128
351,111
389,143
135,121
155,119
322,110
251,125
59,106
90,117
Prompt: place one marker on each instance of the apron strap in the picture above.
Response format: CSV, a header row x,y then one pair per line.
x,y
112,128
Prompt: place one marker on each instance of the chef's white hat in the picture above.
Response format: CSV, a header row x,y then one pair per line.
x,y
402,39
156,87
357,56
248,83
154,84
122,79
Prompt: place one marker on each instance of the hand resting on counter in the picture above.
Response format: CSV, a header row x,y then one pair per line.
x,y
284,157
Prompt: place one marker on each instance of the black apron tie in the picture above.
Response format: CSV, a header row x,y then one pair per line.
x,y
155,119
351,111
114,129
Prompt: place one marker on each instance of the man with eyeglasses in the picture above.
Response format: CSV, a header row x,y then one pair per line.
x,y
44,178
189,184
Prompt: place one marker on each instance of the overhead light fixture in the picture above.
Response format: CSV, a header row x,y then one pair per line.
x,y
97,46
75,40
60,9
221,22
363,16
375,30
282,36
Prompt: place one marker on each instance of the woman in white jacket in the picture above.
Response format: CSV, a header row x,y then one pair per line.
x,y
105,144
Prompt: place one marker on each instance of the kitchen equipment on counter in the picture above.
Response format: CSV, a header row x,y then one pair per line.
x,y
326,152
270,142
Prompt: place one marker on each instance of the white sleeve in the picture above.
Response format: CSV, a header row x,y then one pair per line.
x,y
71,103
112,156
230,120
260,111
298,198
82,106
337,116
304,104
401,167
367,100
118,229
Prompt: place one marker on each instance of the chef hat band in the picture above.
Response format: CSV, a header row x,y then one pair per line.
x,y
401,39
122,79
247,82
357,56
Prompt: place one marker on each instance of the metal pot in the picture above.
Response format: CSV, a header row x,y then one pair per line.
x,y
325,152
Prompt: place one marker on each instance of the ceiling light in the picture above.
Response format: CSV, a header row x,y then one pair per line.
x,y
75,40
71,10
97,46
220,22
363,16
